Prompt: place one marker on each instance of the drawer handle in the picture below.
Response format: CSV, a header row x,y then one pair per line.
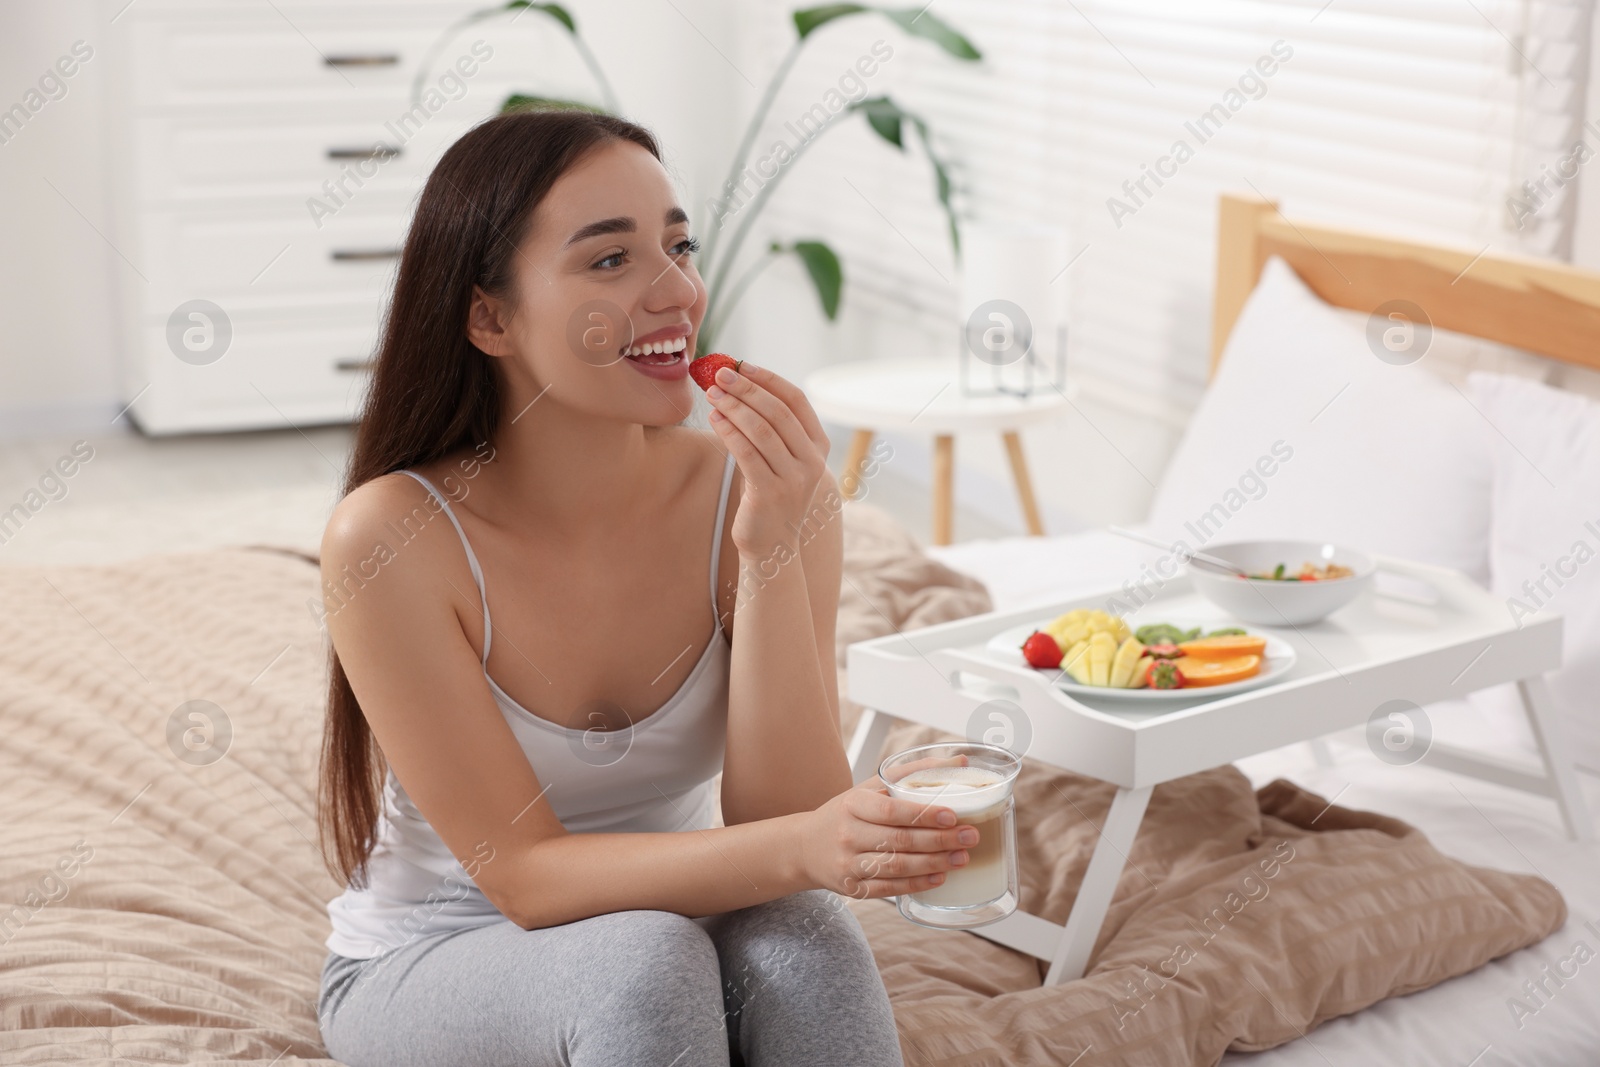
x,y
348,255
361,61
354,364
381,152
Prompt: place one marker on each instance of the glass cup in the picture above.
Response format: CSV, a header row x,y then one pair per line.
x,y
973,780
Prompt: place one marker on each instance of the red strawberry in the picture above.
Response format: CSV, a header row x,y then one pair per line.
x,y
704,370
1041,650
1164,674
1164,650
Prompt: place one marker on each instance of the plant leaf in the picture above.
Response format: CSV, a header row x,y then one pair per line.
x,y
809,18
555,11
919,22
525,102
826,273
915,21
941,183
884,115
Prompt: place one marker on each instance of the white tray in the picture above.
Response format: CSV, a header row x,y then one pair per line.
x,y
1381,647
1417,634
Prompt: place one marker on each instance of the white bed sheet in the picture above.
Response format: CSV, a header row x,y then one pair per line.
x,y
1467,1021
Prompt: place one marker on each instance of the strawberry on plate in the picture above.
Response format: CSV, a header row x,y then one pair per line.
x,y
1164,674
1041,650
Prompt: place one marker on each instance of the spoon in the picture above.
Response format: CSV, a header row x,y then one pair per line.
x,y
1212,562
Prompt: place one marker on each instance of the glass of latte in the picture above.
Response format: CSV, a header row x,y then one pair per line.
x,y
974,781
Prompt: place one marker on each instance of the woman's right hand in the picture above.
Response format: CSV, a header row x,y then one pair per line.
x,y
865,843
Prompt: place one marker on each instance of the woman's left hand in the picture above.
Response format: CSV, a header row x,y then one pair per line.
x,y
778,443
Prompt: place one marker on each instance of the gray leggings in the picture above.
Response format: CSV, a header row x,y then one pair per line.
x,y
786,983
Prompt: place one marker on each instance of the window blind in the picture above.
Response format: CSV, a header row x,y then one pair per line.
x,y
1124,120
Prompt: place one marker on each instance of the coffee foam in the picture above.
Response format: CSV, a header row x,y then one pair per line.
x,y
964,790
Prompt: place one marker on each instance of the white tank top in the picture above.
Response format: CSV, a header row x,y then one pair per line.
x,y
416,887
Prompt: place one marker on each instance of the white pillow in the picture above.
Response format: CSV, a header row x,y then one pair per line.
x,y
1545,537
1453,356
1306,433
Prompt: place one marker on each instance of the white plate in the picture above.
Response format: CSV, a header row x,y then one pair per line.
x,y
1279,659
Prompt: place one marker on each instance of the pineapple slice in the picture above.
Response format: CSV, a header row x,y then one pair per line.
x,y
1141,671
1069,634
1067,619
1076,662
1102,649
1128,654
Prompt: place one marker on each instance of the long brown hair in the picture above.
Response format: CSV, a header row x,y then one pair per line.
x,y
432,391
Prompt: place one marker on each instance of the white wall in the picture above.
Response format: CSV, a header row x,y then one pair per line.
x,y
57,272
1586,236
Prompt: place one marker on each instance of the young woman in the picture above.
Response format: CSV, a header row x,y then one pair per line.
x,y
521,806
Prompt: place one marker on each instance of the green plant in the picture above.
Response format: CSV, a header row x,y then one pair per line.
x,y
516,9
885,117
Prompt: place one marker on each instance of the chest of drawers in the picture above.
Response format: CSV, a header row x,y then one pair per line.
x,y
265,159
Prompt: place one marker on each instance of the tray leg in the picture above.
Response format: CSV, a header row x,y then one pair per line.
x,y
867,742
1563,776
1099,883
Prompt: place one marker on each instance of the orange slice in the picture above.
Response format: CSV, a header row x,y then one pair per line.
x,y
1199,672
1226,647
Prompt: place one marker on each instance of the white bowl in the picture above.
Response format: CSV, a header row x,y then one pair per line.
x,y
1274,602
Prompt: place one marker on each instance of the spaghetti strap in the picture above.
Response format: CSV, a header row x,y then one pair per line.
x,y
716,537
477,571
472,561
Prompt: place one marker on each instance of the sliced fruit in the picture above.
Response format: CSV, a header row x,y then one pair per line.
x,y
1164,650
1218,671
1076,662
1068,634
1225,647
1157,633
1128,654
1075,615
1102,649
1141,673
1041,650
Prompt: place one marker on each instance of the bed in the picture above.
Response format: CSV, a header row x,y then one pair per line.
x,y
167,905
1551,313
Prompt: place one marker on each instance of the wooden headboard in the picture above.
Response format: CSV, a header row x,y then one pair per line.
x,y
1540,305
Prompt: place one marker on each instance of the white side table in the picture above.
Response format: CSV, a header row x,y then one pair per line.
x,y
925,395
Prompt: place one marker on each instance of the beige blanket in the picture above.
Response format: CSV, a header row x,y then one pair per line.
x,y
161,899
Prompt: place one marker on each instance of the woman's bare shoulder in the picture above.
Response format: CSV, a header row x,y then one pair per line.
x,y
388,524
365,509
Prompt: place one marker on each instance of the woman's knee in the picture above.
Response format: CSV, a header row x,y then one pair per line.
x,y
653,962
790,938
815,918
652,993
